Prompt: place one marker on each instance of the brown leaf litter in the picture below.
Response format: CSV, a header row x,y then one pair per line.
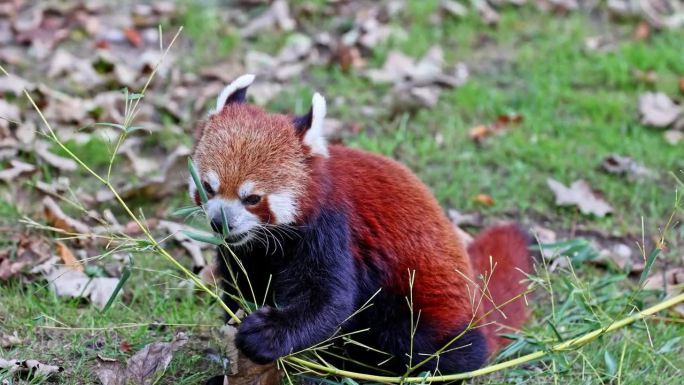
x,y
658,110
165,183
277,16
626,166
68,258
579,194
57,218
69,283
29,251
621,256
34,368
417,83
144,367
242,371
9,340
194,248
16,169
671,282
502,123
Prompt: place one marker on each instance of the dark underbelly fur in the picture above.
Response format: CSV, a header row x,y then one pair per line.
x,y
387,320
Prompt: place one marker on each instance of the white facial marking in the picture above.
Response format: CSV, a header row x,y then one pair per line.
x,y
240,220
245,189
314,135
213,180
192,189
283,206
241,82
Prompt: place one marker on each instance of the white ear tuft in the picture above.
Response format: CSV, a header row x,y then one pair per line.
x,y
314,135
237,84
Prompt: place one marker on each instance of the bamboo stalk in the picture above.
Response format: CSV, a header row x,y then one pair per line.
x,y
563,346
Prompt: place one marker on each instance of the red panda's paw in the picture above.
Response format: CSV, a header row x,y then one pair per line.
x,y
262,338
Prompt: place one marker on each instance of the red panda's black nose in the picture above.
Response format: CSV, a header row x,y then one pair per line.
x,y
217,225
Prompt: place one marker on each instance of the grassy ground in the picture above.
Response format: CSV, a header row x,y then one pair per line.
x,y
578,107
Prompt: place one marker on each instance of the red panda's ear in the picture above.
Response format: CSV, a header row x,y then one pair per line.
x,y
235,92
310,126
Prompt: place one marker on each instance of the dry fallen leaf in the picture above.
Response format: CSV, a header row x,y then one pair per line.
x,y
64,164
144,367
15,85
600,43
68,257
17,168
60,220
33,367
30,252
454,8
194,248
242,371
166,182
79,71
673,137
672,282
9,340
543,235
465,219
9,113
622,256
141,165
478,133
658,110
484,199
277,15
397,67
648,77
579,194
622,165
66,282
642,31
481,132
487,13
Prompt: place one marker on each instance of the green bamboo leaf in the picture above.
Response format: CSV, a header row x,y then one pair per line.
x,y
124,277
224,222
555,331
349,381
134,96
610,363
136,128
649,264
670,346
111,125
198,183
204,238
424,375
185,211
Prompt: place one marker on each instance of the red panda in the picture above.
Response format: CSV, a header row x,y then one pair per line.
x,y
319,230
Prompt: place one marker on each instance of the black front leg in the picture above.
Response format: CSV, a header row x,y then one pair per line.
x,y
315,293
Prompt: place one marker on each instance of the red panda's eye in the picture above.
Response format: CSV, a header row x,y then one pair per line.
x,y
251,200
210,191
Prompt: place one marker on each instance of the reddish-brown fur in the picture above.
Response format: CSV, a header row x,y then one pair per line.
x,y
395,212
507,245
391,211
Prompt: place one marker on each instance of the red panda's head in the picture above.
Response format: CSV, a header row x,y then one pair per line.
x,y
253,164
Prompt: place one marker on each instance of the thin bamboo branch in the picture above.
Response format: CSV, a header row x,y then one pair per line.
x,y
564,346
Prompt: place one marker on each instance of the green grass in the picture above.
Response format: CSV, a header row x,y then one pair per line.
x,y
577,106
72,334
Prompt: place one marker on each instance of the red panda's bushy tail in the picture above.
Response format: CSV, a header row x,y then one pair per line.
x,y
507,244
